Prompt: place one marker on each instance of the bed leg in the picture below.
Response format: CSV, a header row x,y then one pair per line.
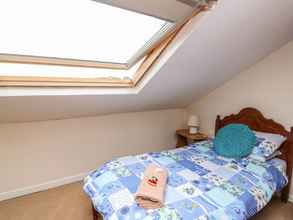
x,y
285,194
289,158
95,214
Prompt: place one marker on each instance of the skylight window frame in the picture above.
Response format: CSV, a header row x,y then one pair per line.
x,y
29,81
165,30
152,53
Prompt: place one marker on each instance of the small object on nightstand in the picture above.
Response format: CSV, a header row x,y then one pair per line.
x,y
193,124
183,136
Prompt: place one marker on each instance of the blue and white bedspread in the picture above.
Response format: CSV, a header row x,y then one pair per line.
x,y
201,185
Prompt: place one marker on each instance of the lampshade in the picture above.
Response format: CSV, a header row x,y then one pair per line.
x,y
193,121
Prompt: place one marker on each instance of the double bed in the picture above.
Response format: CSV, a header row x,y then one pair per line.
x,y
201,184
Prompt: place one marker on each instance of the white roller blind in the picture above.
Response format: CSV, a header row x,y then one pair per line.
x,y
170,10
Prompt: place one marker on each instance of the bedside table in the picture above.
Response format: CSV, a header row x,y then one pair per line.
x,y
183,136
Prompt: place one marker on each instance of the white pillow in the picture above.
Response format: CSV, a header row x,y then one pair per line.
x,y
276,138
267,144
275,154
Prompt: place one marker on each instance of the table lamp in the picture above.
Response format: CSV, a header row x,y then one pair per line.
x,y
193,124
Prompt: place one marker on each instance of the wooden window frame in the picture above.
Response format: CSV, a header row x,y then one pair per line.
x,y
151,57
26,59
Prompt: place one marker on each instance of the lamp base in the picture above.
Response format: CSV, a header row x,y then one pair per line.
x,y
193,130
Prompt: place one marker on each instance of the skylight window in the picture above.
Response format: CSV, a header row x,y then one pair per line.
x,y
75,29
86,42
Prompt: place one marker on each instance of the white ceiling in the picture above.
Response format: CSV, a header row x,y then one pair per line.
x,y
234,36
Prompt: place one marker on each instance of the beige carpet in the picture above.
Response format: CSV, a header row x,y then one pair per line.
x,y
70,203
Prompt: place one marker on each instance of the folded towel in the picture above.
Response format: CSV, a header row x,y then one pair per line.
x,y
150,194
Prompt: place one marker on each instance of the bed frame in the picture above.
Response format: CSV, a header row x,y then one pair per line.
x,y
254,119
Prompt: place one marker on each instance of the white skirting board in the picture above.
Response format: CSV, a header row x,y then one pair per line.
x,y
41,187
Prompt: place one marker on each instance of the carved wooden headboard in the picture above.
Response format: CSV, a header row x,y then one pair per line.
x,y
254,119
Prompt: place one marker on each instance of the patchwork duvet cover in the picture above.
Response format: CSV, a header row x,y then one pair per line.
x,y
201,185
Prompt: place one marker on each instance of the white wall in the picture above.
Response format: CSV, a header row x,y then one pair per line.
x,y
37,152
267,86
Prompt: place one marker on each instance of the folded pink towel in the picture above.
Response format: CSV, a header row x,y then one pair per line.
x,y
150,194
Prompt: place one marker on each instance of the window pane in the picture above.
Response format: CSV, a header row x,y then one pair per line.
x,y
76,29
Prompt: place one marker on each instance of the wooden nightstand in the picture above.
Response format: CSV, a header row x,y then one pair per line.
x,y
183,136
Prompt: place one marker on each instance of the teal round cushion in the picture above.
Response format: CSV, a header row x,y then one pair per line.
x,y
234,141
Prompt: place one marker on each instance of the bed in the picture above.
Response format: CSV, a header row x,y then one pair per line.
x,y
201,184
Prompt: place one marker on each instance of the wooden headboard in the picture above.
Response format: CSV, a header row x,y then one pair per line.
x,y
254,119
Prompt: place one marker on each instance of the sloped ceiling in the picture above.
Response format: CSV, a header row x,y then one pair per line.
x,y
234,36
